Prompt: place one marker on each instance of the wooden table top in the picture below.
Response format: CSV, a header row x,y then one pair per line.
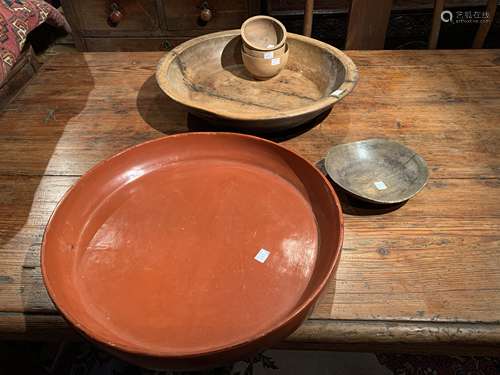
x,y
426,275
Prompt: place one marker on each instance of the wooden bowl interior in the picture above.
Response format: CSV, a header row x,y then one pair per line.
x,y
211,74
263,33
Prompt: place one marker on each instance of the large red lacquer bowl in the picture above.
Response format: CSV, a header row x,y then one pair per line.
x,y
193,250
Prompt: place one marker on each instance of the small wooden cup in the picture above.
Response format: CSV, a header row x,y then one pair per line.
x,y
262,69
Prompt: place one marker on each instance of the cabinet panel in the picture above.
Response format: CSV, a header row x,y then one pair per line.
x,y
138,20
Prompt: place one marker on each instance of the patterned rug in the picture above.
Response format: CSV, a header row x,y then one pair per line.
x,y
17,19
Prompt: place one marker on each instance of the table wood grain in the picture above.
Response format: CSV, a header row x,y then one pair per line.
x,y
425,276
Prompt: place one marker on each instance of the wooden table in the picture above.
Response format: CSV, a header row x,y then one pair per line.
x,y
423,277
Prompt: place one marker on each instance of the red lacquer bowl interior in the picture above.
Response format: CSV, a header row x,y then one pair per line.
x,y
192,244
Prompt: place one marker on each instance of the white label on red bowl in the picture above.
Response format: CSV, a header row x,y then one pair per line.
x,y
262,255
275,61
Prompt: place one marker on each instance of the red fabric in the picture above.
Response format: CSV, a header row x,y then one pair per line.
x,y
17,19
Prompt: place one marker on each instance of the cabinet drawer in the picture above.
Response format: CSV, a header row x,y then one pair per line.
x,y
139,17
224,14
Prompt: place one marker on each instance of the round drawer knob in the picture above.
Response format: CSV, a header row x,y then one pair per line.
x,y
166,45
206,15
116,15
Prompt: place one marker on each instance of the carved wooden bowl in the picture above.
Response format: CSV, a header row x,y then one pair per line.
x,y
207,75
193,250
377,170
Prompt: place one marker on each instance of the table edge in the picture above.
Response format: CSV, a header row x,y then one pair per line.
x,y
317,332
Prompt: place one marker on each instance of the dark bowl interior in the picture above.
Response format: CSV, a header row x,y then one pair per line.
x,y
377,170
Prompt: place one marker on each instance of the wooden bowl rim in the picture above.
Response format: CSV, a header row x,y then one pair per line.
x,y
252,19
345,88
252,57
260,54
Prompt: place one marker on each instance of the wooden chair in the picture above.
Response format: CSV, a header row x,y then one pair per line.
x,y
308,17
368,21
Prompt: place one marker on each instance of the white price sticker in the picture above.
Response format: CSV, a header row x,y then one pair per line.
x,y
268,55
275,61
380,185
337,93
262,255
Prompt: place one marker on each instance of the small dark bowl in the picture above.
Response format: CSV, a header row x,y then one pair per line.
x,y
377,170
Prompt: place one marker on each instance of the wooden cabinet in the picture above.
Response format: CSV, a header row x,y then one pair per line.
x,y
185,15
145,25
